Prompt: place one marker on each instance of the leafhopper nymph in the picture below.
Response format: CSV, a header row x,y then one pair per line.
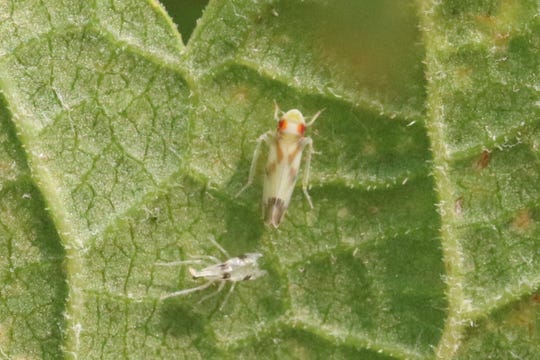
x,y
286,146
241,268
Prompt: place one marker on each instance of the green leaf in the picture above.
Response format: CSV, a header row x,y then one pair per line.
x,y
483,122
121,147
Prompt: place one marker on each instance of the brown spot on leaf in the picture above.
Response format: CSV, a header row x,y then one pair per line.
x,y
501,39
374,210
524,315
240,94
483,161
523,221
458,206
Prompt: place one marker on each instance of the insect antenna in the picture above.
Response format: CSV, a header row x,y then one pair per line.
x,y
220,248
314,117
276,111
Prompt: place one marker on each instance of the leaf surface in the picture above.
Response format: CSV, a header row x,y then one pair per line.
x,y
121,147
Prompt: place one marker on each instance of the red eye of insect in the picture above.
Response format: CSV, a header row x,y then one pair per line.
x,y
282,125
301,128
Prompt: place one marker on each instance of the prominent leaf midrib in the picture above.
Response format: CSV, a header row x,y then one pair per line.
x,y
452,250
445,156
451,247
44,181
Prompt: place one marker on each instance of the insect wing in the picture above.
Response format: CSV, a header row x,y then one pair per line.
x,y
280,178
214,272
245,267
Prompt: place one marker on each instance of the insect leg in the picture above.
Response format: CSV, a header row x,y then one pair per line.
x,y
276,111
227,296
186,291
263,138
309,144
180,262
212,294
200,259
214,260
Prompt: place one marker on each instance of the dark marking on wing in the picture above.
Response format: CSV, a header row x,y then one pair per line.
x,y
271,168
279,151
274,211
247,277
242,257
226,276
